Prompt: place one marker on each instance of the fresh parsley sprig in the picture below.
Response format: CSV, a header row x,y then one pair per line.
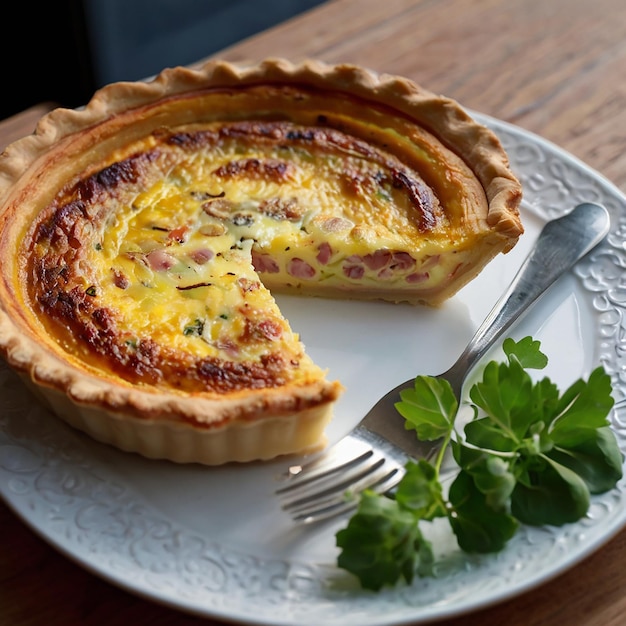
x,y
530,455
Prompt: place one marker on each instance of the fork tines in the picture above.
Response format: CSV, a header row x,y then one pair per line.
x,y
328,486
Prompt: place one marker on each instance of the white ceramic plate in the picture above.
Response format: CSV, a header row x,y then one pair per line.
x,y
214,542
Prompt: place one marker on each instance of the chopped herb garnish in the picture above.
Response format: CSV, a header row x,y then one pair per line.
x,y
194,286
195,328
91,291
383,194
224,316
98,246
530,456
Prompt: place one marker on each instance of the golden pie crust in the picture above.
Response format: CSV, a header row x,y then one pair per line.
x,y
142,235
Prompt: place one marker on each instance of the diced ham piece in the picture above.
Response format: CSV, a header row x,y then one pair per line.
x,y
324,252
178,234
377,260
247,285
202,255
417,277
300,268
120,280
228,346
354,259
402,261
259,330
264,263
353,271
270,330
160,261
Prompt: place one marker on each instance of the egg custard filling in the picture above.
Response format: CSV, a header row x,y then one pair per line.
x,y
152,235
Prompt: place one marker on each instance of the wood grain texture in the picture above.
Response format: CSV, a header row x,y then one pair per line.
x,y
554,67
23,123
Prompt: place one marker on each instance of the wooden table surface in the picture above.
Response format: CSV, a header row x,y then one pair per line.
x,y
554,67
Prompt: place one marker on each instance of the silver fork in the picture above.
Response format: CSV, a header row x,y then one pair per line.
x,y
373,455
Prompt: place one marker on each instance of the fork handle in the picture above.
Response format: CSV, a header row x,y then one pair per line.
x,y
561,243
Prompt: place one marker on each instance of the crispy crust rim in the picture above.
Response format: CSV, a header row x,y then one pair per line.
x,y
22,160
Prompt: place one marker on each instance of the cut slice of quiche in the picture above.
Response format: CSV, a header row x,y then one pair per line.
x,y
142,238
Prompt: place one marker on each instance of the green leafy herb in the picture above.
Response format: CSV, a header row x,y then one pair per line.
x,y
529,456
194,328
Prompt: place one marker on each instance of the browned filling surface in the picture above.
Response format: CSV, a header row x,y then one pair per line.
x,y
149,267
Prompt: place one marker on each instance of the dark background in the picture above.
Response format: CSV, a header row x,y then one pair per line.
x,y
66,49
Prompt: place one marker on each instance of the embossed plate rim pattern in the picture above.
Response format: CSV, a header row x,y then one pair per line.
x,y
84,508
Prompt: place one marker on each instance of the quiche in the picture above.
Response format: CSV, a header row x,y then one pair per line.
x,y
143,235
